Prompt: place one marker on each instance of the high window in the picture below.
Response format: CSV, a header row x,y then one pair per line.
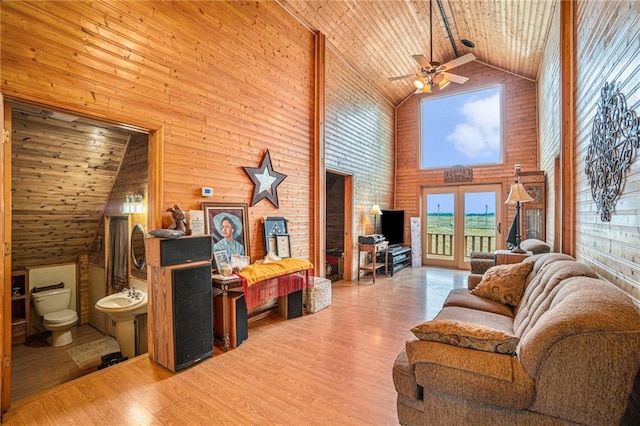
x,y
463,128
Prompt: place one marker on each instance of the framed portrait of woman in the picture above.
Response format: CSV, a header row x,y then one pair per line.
x,y
227,225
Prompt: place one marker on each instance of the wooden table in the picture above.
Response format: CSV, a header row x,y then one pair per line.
x,y
504,257
225,285
374,249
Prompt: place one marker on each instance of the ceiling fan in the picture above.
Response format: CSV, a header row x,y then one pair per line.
x,y
432,74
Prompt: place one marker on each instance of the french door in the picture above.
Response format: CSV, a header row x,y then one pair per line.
x,y
459,220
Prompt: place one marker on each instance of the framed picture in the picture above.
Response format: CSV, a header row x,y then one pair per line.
x,y
227,225
272,245
283,246
273,226
220,257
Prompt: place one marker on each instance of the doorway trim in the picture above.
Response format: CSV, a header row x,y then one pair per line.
x,y
348,244
154,219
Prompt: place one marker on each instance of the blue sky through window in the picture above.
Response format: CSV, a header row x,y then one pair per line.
x,y
474,202
462,129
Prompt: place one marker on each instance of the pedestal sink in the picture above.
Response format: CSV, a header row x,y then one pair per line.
x,y
122,308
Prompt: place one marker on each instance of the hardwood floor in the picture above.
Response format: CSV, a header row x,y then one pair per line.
x,y
331,367
38,366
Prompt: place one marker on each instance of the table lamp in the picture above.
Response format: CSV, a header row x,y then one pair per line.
x,y
517,195
375,211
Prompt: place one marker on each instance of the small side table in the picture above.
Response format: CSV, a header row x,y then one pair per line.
x,y
504,257
225,285
374,249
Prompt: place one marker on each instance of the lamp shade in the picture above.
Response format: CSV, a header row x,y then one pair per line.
x,y
518,194
376,209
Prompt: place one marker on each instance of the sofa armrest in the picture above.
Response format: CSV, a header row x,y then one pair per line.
x,y
485,377
473,280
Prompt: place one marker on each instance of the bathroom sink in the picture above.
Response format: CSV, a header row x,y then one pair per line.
x,y
124,305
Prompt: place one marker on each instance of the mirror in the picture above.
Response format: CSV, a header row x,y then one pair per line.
x,y
137,246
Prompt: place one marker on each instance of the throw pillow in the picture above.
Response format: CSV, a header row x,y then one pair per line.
x,y
504,283
467,335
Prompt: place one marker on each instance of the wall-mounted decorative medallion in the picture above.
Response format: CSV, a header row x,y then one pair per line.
x,y
614,141
266,181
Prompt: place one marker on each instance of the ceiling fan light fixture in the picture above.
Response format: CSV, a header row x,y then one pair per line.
x,y
444,83
419,83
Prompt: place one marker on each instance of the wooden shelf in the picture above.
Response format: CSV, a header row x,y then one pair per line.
x,y
19,307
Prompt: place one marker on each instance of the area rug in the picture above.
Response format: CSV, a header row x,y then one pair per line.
x,y
88,355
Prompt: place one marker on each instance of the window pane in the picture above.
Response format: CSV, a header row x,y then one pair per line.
x,y
463,128
479,221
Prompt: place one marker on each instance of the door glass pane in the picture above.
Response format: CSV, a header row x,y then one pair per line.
x,y
533,224
440,226
479,222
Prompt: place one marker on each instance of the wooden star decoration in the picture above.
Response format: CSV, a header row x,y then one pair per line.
x,y
266,181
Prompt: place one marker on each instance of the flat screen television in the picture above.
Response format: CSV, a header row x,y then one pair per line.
x,y
392,226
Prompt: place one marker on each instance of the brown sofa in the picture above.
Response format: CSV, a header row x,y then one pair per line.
x,y
575,362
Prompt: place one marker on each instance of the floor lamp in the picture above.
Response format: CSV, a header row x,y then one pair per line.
x,y
375,211
517,195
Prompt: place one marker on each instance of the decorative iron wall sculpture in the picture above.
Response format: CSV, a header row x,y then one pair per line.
x,y
614,141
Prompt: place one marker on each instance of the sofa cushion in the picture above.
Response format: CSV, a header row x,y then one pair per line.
x,y
535,246
504,283
465,299
467,335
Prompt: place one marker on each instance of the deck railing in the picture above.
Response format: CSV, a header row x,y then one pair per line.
x,y
440,244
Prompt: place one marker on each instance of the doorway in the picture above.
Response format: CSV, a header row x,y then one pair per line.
x,y
459,220
60,170
337,226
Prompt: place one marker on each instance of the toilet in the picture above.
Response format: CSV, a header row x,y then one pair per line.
x,y
53,306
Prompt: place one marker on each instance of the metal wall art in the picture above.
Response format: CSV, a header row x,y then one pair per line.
x,y
265,180
614,141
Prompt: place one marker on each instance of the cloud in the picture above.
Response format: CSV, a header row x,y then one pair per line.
x,y
478,135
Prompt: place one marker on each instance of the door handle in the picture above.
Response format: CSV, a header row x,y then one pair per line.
x,y
499,227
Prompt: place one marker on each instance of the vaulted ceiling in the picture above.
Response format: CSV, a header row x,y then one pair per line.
x,y
379,37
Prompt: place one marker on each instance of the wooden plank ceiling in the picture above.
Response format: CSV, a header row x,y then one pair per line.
x,y
378,38
62,174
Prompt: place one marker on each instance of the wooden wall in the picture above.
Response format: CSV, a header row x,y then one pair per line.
x,y
549,118
62,175
607,49
612,249
359,133
519,140
223,81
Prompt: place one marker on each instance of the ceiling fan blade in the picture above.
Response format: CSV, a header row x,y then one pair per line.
x,y
457,62
455,78
422,60
403,77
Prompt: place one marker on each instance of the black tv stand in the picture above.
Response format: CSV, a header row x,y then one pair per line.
x,y
399,257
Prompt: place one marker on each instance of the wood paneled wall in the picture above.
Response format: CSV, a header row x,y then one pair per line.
x,y
225,80
62,175
359,134
607,50
519,140
549,118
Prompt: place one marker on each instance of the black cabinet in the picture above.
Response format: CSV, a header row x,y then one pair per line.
x,y
399,257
